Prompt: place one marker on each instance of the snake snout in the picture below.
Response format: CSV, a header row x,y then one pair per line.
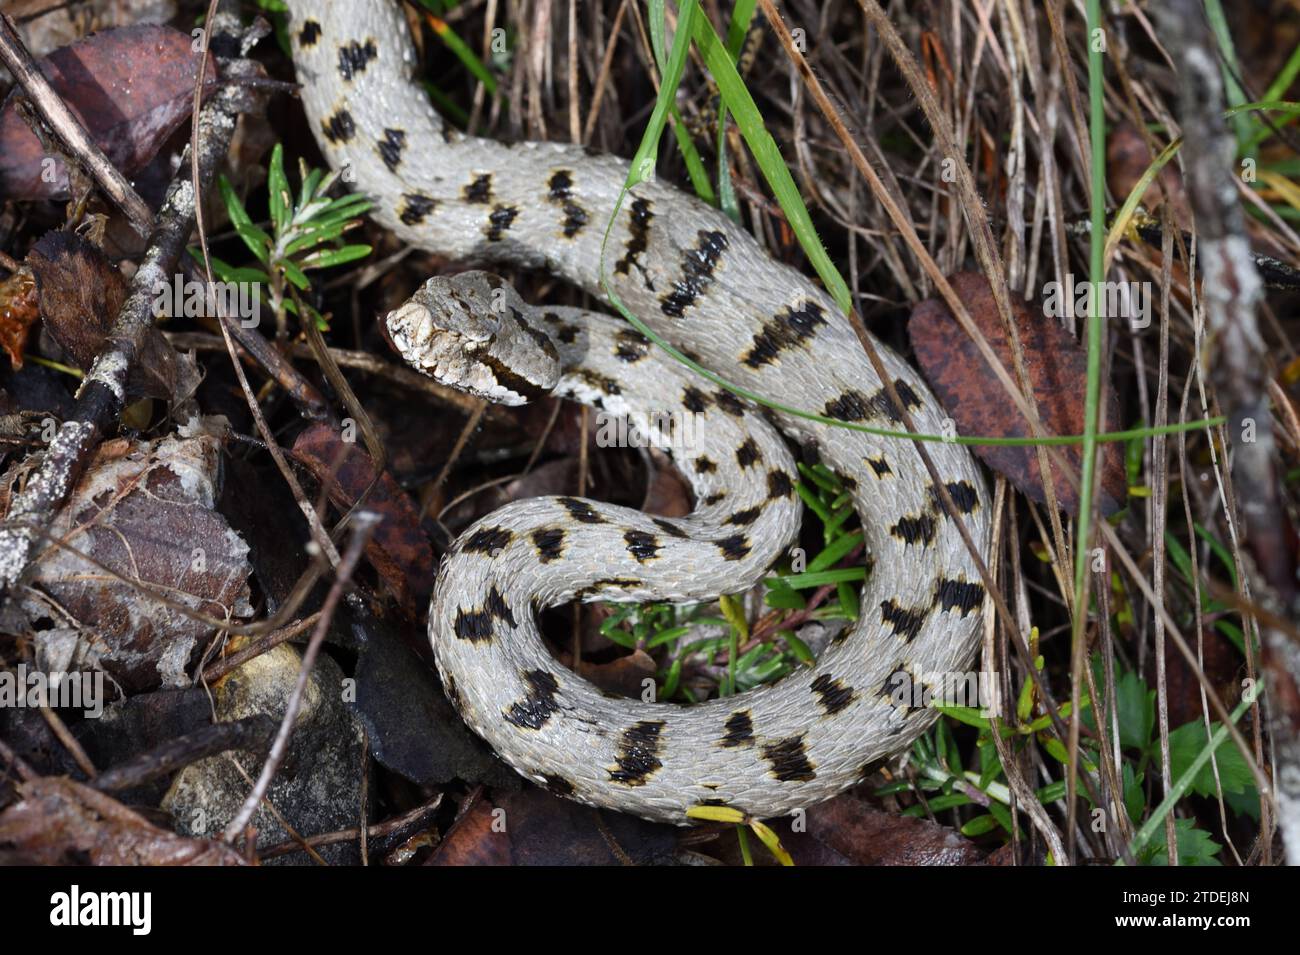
x,y
474,333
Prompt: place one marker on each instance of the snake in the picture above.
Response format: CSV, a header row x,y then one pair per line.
x,y
705,285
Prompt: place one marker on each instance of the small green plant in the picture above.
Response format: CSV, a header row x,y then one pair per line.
x,y
306,234
941,773
741,656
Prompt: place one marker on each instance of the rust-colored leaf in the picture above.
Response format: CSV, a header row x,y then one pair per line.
x,y
848,830
1127,157
81,293
18,310
131,87
535,828
977,402
398,548
61,822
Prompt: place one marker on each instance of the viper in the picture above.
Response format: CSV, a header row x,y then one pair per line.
x,y
706,286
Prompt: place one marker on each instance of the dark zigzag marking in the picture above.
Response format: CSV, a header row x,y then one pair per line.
x,y
698,266
535,709
638,759
789,760
789,329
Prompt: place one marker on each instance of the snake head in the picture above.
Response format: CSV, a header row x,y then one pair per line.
x,y
473,332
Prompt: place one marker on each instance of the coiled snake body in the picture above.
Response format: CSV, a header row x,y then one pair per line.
x,y
706,286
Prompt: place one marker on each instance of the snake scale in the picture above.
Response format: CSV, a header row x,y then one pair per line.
x,y
706,286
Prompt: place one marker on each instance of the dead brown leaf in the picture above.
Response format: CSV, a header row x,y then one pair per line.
x,y
533,827
848,830
61,822
131,87
1057,369
1127,157
81,293
398,549
146,510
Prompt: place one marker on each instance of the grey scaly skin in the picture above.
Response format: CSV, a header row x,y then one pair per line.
x,y
705,285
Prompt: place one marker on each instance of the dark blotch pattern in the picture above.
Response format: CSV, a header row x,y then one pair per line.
x,y
480,190
880,466
901,687
598,587
694,400
834,694
748,454
958,595
698,266
669,528
734,547
532,712
631,346
850,406
391,146
789,329
789,760
963,495
779,485
906,395
309,33
341,127
560,185
561,194
602,383
644,547
729,403
581,511
705,465
495,604
855,406
713,498
638,753
473,625
499,221
416,208
906,622
549,542
744,518
915,528
740,729
640,215
488,540
354,57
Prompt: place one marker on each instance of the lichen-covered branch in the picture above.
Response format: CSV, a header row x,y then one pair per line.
x,y
1240,373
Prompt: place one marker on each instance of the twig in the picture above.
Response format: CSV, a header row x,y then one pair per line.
x,y
251,733
17,762
223,666
418,816
363,523
1232,289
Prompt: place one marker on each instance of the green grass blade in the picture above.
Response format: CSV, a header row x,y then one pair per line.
x,y
770,161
